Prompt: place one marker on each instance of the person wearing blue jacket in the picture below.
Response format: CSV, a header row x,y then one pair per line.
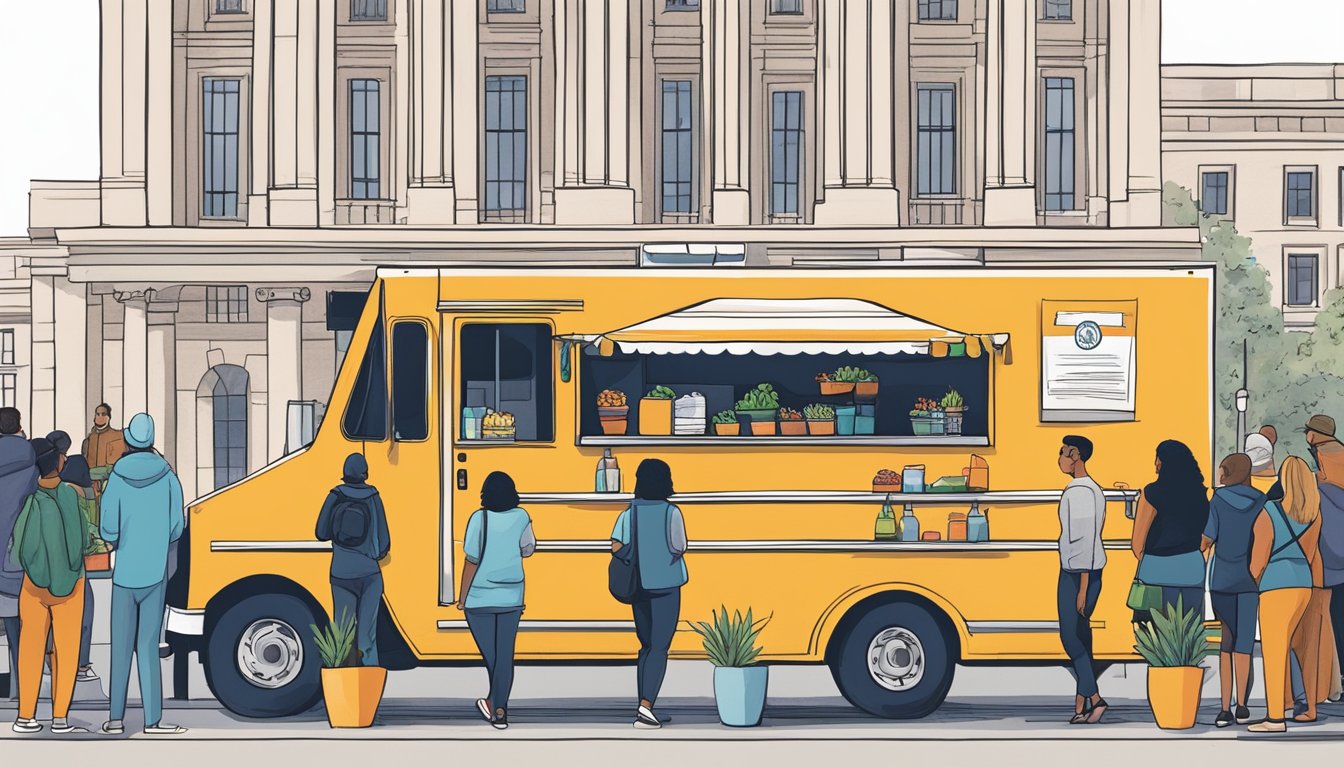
x,y
18,480
140,518
354,521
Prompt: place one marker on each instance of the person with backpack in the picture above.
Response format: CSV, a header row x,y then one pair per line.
x,y
18,479
654,528
498,537
354,521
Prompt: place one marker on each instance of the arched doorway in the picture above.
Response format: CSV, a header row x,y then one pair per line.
x,y
221,403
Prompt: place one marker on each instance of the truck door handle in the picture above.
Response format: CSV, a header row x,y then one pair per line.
x,y
461,479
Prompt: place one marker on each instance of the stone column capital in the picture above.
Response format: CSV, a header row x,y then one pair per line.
x,y
142,296
295,295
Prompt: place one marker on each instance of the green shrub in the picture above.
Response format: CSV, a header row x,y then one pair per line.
x,y
953,399
762,398
730,642
1174,637
660,393
819,412
336,641
724,417
851,375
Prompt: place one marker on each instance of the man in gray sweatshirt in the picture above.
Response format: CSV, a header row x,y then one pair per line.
x,y
1082,513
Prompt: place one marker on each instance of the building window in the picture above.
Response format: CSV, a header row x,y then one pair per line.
x,y
682,5
1058,10
368,10
1299,195
786,7
1214,199
506,6
678,159
226,304
786,152
937,10
936,163
1303,279
365,149
7,346
9,390
228,6
508,368
1059,144
220,151
228,417
506,147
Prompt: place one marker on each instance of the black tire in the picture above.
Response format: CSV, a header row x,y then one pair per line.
x,y
850,665
301,690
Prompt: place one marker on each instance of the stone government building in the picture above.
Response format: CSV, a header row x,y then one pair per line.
x,y
260,158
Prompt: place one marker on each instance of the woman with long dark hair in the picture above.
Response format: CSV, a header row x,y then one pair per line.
x,y
655,528
499,535
1169,527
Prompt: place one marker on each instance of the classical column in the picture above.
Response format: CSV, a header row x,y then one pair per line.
x,y
123,108
857,100
1010,114
327,123
161,368
260,111
1135,114
71,314
134,352
465,125
593,59
159,113
726,93
284,360
431,198
41,417
293,192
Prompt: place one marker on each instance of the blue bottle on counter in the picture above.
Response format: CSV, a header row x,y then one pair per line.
x,y
909,526
977,524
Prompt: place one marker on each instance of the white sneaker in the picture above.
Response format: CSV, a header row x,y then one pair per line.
x,y
644,718
86,675
164,730
27,726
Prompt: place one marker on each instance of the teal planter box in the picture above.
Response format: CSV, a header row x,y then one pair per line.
x,y
925,425
740,694
845,418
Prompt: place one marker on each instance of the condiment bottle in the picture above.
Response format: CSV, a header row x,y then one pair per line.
x,y
956,526
977,524
608,479
885,528
909,526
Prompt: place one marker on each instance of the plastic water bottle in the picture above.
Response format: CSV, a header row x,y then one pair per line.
x,y
608,479
885,527
977,524
909,524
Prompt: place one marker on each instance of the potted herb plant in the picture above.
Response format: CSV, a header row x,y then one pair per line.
x,y
1173,643
655,411
726,424
926,418
791,422
954,410
820,419
759,405
613,412
828,385
866,385
739,683
351,693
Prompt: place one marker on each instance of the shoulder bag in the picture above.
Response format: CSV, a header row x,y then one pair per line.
x,y
623,571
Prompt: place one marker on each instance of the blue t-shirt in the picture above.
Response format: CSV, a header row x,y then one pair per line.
x,y
662,542
508,538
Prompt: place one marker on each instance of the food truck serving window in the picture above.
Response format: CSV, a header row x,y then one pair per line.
x,y
507,369
1088,353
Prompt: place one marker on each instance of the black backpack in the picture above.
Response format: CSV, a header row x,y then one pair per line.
x,y
351,522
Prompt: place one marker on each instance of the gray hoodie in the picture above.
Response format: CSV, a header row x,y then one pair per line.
x,y
18,479
1332,533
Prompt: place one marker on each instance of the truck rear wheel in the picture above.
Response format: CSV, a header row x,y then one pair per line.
x,y
261,659
896,661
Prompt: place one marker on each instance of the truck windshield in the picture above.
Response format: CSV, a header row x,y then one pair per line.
x,y
366,413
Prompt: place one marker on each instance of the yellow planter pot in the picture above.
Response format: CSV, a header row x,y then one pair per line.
x,y
655,416
1173,695
352,695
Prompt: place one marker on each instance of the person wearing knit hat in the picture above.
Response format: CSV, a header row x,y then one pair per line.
x,y
1261,453
140,517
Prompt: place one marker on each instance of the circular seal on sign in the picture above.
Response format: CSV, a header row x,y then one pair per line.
x,y
1087,335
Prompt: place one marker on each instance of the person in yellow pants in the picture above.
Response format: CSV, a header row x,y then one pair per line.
x,y
1284,546
49,541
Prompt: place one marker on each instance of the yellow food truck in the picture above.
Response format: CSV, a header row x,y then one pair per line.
x,y
793,406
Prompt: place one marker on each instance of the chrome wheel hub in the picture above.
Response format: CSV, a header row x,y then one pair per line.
x,y
270,653
896,659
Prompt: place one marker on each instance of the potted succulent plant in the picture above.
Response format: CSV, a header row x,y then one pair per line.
x,y
655,411
820,419
828,385
352,693
866,385
926,418
759,405
1173,643
726,424
739,683
954,411
791,422
613,412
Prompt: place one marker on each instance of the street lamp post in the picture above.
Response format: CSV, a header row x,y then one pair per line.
x,y
1242,398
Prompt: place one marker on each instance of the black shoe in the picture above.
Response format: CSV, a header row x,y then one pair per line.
x,y
501,720
1224,719
1243,715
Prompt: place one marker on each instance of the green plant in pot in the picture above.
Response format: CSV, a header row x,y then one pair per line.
x,y
759,405
820,419
352,693
725,423
1173,643
739,683
954,408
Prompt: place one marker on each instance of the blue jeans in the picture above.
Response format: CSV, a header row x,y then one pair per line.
x,y
495,632
137,617
656,615
360,598
1075,629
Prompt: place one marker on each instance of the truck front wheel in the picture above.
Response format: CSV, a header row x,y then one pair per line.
x,y
896,661
261,660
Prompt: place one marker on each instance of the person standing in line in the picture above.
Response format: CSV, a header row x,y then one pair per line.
x,y
1260,448
1234,594
1284,545
76,475
140,516
499,535
1082,515
18,480
49,540
1326,449
104,445
1331,486
1169,527
655,528
354,521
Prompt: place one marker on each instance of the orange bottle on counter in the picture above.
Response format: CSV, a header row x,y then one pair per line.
x,y
956,527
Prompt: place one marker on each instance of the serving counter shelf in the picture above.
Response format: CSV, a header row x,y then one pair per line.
x,y
868,441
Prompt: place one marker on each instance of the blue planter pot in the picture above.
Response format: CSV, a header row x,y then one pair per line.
x,y
740,694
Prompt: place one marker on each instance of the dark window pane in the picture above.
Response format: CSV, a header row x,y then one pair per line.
x,y
368,10
505,6
937,10
677,166
505,144
786,148
1059,144
365,157
366,413
219,147
1302,279
410,381
1058,10
509,368
786,6
935,140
